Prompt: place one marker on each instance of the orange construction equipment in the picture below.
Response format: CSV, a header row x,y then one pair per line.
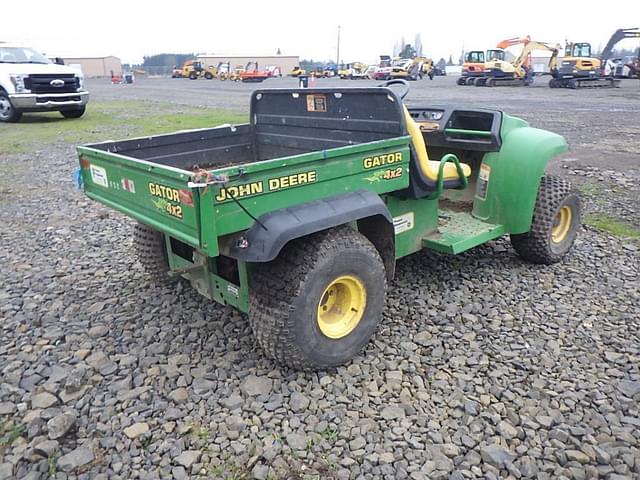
x,y
252,74
510,42
475,61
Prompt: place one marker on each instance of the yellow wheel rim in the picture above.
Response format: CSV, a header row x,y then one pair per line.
x,y
562,224
341,306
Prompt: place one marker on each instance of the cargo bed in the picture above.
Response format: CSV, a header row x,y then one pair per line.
x,y
200,185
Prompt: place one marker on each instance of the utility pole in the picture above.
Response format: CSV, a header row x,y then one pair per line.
x,y
338,49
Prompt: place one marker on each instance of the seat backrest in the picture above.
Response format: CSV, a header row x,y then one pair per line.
x,y
419,147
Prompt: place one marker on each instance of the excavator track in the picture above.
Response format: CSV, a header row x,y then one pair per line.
x,y
499,82
467,80
575,83
600,83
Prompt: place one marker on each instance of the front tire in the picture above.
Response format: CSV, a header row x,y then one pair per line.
x,y
320,301
8,113
556,220
75,113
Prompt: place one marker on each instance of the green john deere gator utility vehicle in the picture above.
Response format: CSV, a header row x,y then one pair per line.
x,y
297,218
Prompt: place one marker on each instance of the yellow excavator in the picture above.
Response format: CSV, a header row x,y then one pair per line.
x,y
519,72
354,71
410,68
580,69
475,61
297,71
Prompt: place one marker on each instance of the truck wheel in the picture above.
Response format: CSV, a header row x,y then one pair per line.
x,y
75,113
208,75
320,301
7,112
151,252
556,219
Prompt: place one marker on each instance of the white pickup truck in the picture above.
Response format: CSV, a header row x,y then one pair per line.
x,y
29,82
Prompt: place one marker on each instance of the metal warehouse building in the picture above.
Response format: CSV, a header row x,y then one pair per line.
x,y
284,62
97,66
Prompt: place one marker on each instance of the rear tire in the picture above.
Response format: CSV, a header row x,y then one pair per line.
x,y
75,113
556,220
149,246
320,301
208,76
8,113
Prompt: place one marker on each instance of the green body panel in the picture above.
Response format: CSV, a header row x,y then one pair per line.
x,y
332,177
413,220
214,213
140,204
459,231
515,173
203,277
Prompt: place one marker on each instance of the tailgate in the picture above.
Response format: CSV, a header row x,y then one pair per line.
x,y
156,195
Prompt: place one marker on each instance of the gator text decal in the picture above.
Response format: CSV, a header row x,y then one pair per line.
x,y
381,160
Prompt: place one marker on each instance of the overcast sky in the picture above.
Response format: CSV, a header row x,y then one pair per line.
x,y
130,29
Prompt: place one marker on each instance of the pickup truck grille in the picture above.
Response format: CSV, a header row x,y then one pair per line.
x,y
41,83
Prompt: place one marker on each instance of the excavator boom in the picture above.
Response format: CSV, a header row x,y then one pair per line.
x,y
517,72
533,46
618,35
509,42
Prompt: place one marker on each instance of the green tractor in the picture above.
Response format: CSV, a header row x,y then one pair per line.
x,y
297,218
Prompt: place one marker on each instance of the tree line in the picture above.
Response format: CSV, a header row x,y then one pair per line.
x,y
167,59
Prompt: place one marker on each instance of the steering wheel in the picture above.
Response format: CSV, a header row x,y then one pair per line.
x,y
397,81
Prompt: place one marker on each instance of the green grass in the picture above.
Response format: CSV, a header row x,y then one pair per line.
x,y
613,226
228,471
589,188
52,463
10,434
329,434
108,121
200,433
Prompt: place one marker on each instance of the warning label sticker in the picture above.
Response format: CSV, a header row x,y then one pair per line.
x,y
99,176
316,103
403,223
483,181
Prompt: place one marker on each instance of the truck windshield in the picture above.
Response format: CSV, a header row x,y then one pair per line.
x,y
21,55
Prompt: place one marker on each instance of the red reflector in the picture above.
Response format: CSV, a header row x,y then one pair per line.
x,y
186,197
84,162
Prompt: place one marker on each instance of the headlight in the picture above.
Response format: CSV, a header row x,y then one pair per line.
x,y
18,82
81,82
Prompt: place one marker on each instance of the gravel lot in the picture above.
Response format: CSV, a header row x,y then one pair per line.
x,y
484,366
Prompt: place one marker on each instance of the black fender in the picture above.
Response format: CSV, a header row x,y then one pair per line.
x,y
264,240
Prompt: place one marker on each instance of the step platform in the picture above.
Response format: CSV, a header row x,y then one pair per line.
x,y
460,231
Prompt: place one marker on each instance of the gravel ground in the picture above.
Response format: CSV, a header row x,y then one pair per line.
x,y
484,366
